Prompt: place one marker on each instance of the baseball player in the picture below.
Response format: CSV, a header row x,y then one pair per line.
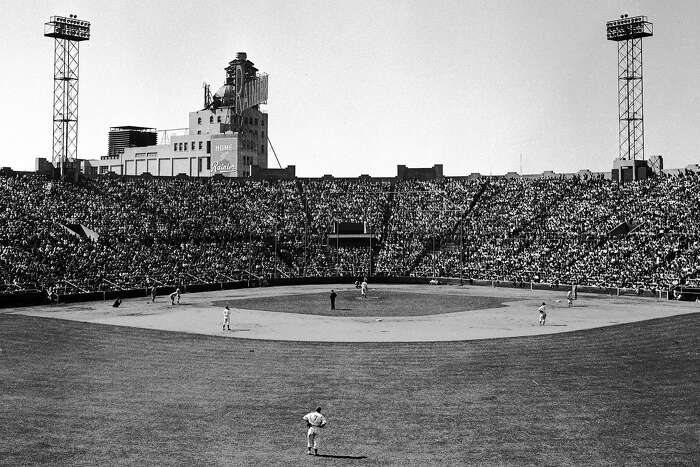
x,y
174,295
363,288
569,298
227,319
333,295
154,294
543,313
314,421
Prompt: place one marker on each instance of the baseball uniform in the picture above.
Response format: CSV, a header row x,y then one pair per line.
x,y
315,421
543,313
227,319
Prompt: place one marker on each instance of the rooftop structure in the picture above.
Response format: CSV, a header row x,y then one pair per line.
x,y
227,137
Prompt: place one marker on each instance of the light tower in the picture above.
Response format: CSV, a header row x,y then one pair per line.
x,y
67,34
628,33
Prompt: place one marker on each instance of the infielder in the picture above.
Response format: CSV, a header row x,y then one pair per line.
x,y
227,319
363,288
174,295
569,298
543,313
314,421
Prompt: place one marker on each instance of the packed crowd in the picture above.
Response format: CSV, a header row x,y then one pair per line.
x,y
588,231
156,231
424,212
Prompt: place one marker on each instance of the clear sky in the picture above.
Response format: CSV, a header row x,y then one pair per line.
x,y
358,87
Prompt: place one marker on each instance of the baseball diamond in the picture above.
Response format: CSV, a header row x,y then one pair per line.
x,y
565,392
465,316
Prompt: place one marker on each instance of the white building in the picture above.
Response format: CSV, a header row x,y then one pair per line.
x,y
227,137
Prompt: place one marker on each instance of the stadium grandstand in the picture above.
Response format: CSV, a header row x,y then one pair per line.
x,y
120,233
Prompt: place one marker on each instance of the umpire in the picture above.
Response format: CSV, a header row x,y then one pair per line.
x,y
332,296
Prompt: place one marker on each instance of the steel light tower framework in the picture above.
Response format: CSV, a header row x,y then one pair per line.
x,y
67,34
628,33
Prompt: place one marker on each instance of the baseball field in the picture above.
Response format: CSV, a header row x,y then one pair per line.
x,y
410,375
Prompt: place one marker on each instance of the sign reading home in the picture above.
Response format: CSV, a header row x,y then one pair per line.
x,y
223,147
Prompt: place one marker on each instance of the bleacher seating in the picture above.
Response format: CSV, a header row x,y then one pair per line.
x,y
164,231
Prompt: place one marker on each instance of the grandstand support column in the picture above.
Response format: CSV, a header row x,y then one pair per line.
x,y
434,258
250,254
369,272
461,252
628,33
277,263
306,228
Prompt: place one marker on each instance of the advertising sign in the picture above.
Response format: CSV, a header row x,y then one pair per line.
x,y
224,166
224,156
254,93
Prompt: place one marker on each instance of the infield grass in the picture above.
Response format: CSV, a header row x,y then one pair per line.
x,y
379,302
75,393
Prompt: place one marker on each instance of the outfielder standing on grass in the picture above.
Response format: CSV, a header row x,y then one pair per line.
x,y
314,421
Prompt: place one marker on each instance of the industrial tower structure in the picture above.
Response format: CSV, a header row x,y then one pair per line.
x,y
628,33
67,34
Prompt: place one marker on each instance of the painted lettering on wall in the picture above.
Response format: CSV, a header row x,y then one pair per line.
x,y
223,166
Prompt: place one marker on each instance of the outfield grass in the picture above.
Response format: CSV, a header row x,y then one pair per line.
x,y
76,393
379,302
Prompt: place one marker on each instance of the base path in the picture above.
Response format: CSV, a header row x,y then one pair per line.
x,y
201,313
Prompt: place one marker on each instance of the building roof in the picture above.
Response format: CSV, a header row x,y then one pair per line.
x,y
131,127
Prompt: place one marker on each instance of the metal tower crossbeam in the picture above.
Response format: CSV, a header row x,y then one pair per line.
x,y
65,101
630,99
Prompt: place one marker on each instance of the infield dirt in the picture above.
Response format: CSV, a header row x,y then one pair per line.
x,y
392,313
